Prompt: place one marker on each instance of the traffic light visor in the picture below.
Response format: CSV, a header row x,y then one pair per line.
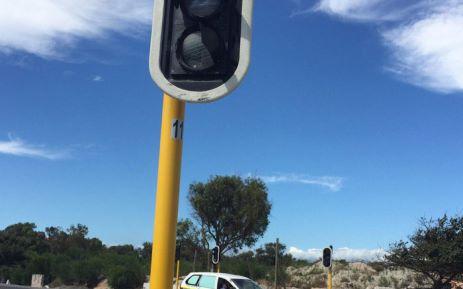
x,y
202,9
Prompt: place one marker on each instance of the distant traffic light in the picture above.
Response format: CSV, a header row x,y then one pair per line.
x,y
216,255
178,250
200,49
327,256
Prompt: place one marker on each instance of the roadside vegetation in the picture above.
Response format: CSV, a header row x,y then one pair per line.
x,y
233,213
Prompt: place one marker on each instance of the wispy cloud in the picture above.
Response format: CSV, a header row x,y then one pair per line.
x,y
17,147
345,253
362,10
428,51
332,183
365,10
424,37
97,78
48,28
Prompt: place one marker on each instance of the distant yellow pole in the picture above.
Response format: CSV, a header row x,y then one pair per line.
x,y
330,278
176,278
218,267
165,220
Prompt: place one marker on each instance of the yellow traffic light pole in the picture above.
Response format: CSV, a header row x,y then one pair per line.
x,y
165,220
330,278
177,284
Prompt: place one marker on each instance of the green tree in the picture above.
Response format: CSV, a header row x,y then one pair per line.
x,y
126,277
266,255
88,272
234,212
435,250
19,239
64,256
20,245
187,240
145,252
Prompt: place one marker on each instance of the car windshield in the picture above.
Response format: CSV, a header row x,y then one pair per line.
x,y
245,284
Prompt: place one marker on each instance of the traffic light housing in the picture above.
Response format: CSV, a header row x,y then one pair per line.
x,y
327,256
178,251
200,49
215,255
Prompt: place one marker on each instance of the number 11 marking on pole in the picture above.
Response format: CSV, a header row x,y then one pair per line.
x,y
177,129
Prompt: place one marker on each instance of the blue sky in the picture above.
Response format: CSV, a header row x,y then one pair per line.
x,y
351,112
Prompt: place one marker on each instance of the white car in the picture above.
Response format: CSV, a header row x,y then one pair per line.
x,y
209,280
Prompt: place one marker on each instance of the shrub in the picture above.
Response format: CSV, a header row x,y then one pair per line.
x,y
344,280
318,282
377,266
395,282
420,279
88,272
126,278
384,282
316,271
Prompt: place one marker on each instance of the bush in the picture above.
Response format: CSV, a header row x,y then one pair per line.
x,y
384,282
340,265
345,280
16,275
420,279
318,282
61,269
316,271
56,283
377,266
88,272
126,278
355,276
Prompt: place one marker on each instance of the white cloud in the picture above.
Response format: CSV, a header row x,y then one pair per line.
x,y
340,253
47,28
352,9
17,147
362,10
424,37
429,51
97,78
332,183
372,10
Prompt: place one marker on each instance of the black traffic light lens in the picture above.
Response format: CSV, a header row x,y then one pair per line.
x,y
202,8
199,50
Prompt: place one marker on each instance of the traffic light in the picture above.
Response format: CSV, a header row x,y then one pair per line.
x,y
216,255
327,255
200,49
178,250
